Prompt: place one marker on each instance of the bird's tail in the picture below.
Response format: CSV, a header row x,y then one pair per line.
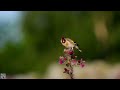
x,y
78,48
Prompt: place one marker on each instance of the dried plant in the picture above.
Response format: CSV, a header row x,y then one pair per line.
x,y
70,60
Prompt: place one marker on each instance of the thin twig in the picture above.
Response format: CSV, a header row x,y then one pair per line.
x,y
71,73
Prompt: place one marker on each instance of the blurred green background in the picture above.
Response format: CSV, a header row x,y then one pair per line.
x,y
30,40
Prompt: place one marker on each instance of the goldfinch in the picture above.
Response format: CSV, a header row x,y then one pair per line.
x,y
68,43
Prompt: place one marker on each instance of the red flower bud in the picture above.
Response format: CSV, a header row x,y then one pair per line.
x,y
82,65
73,62
65,58
70,52
61,60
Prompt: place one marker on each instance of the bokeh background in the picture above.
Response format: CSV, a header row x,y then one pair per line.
x,y
30,43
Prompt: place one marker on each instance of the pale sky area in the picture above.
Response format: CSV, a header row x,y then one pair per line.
x,y
9,15
10,26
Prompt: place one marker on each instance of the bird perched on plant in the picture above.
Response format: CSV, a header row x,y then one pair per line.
x,y
68,43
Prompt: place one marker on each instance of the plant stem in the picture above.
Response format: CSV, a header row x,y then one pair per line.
x,y
71,73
